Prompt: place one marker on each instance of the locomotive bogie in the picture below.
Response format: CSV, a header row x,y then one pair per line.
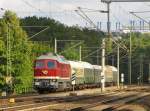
x,y
49,85
45,84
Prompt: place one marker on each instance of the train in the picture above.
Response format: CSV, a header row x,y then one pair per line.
x,y
53,72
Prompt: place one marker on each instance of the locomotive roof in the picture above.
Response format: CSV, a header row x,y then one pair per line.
x,y
52,56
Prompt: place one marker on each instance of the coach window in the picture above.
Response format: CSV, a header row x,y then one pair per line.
x,y
50,64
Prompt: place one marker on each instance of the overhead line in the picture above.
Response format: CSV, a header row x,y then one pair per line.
x,y
80,9
139,17
39,32
142,12
30,5
93,10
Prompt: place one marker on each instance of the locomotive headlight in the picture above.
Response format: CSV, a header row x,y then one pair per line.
x,y
45,72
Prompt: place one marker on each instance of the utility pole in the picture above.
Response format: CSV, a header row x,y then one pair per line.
x,y
108,17
8,52
8,78
149,73
103,47
142,75
140,72
80,53
118,66
130,55
103,66
141,69
113,60
108,26
55,50
108,9
97,57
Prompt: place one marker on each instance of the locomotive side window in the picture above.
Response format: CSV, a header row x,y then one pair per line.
x,y
39,64
50,64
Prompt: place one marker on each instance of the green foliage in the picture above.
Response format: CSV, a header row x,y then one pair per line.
x,y
24,52
140,52
92,38
20,51
60,31
39,48
71,53
108,42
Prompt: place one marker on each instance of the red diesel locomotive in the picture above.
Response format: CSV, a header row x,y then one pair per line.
x,y
54,72
51,71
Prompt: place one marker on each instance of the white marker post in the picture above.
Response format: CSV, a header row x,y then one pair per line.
x,y
3,94
73,82
122,79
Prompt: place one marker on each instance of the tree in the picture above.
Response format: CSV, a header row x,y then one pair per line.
x,y
20,51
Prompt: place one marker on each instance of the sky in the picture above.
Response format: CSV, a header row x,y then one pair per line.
x,y
63,11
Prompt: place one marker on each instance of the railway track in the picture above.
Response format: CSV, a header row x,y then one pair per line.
x,y
111,104
25,98
54,103
114,107
43,105
47,102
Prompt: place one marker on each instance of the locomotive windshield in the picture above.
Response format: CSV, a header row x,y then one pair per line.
x,y
50,64
39,64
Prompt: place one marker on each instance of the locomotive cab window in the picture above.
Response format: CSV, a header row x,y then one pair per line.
x,y
39,64
50,64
